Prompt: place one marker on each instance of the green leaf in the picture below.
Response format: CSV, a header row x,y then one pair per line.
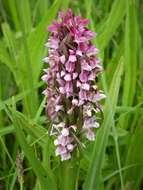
x,y
133,176
45,178
93,180
37,39
10,59
7,130
114,19
30,56
130,49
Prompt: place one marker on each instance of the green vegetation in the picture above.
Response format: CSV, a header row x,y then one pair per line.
x,y
27,160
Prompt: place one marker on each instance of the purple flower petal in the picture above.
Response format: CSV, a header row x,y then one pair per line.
x,y
67,77
70,66
90,123
60,150
62,59
83,95
90,135
84,76
70,147
85,66
65,132
85,86
65,156
72,58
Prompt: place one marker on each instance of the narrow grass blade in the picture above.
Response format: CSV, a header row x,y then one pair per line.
x,y
5,57
30,56
94,173
19,96
126,168
109,27
37,39
6,130
133,176
26,15
45,178
13,13
31,100
9,57
129,87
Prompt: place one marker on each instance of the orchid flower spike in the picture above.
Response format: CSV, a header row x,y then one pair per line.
x,y
72,92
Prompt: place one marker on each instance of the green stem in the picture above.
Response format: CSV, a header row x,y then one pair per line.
x,y
68,175
21,185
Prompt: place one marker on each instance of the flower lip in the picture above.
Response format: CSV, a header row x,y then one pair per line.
x,y
67,77
72,58
65,132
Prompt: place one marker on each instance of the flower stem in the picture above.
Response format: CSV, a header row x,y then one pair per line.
x,y
68,175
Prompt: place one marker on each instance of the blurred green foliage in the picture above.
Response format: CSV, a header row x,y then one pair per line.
x,y
115,160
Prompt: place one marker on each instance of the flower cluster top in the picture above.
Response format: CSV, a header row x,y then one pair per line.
x,y
72,92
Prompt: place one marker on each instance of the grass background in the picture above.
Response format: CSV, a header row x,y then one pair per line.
x,y
115,160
